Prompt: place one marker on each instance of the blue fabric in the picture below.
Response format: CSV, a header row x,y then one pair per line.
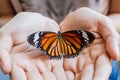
x,y
115,75
3,76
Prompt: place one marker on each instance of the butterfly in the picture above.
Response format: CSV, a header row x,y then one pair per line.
x,y
57,45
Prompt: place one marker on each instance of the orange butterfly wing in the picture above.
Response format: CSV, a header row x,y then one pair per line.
x,y
73,41
48,42
70,44
67,44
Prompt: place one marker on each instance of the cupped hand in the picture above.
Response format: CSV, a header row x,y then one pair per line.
x,y
94,61
23,61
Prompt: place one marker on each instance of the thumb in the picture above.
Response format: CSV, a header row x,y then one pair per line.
x,y
110,36
5,47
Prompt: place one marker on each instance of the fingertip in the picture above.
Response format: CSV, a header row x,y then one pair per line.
x,y
102,67
6,70
5,61
113,48
110,36
17,73
69,75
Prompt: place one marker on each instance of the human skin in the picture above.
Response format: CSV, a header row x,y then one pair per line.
x,y
25,62
93,61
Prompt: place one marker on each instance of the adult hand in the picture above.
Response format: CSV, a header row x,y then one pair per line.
x,y
23,61
93,63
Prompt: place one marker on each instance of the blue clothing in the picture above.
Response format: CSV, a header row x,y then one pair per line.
x,y
3,76
115,75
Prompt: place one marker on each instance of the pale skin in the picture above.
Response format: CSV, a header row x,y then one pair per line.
x,y
93,63
93,60
26,60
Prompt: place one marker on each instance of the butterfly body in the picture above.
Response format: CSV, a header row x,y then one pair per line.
x,y
59,35
57,45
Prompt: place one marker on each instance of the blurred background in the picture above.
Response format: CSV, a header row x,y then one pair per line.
x,y
9,8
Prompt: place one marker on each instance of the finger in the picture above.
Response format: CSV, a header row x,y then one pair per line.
x,y
110,36
5,47
81,62
48,76
32,72
77,76
17,73
102,68
5,40
59,72
87,73
34,75
69,75
43,70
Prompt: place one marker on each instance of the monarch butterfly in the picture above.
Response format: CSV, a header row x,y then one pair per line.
x,y
56,45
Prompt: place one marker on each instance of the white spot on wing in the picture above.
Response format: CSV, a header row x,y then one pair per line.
x,y
84,34
78,32
36,37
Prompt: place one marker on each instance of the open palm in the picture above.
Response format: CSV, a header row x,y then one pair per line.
x,y
94,62
28,63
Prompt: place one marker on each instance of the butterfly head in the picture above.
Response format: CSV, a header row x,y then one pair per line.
x,y
59,35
